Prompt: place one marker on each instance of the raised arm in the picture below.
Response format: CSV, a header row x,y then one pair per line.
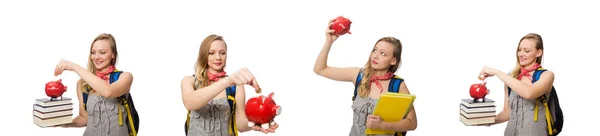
x,y
338,74
196,99
537,89
102,87
407,124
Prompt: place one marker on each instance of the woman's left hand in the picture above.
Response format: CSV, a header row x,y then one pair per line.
x,y
271,128
374,122
62,66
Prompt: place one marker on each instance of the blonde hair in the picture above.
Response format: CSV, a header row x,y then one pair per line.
x,y
201,66
365,87
90,65
539,45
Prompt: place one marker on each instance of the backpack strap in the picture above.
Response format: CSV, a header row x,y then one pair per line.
x,y
395,83
231,91
544,100
357,83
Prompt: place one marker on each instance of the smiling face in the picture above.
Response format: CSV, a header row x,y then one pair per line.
x,y
217,56
527,52
382,56
102,54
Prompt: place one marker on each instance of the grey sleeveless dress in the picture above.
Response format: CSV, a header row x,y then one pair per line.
x,y
521,121
103,117
362,107
210,120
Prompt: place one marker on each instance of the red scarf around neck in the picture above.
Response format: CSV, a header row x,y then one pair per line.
x,y
215,77
102,75
525,71
376,79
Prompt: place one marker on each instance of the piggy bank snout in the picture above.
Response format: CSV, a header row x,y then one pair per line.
x,y
277,110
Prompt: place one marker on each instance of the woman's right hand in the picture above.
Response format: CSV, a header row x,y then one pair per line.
x,y
242,77
329,34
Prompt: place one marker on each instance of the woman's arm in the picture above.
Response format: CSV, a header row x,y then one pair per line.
x,y
407,124
241,120
81,119
334,73
537,89
504,115
196,99
103,88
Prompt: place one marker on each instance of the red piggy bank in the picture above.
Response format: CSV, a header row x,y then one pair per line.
x,y
341,25
55,89
479,91
262,110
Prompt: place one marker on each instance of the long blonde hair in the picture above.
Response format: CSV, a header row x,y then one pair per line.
x,y
201,66
539,45
90,65
365,87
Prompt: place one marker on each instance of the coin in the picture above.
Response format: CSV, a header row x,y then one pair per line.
x,y
259,90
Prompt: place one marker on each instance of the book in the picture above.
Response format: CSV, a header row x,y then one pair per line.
x,y
478,109
477,121
477,114
54,121
45,109
471,103
52,102
392,107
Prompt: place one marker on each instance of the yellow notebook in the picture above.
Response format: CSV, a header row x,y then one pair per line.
x,y
392,107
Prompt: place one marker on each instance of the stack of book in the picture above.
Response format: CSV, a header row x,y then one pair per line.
x,y
476,112
48,112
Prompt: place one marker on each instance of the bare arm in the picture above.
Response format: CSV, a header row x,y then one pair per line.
x,y
339,74
537,89
407,124
103,88
81,119
196,99
504,115
240,109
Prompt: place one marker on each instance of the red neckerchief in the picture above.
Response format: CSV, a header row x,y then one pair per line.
x,y
384,77
525,72
215,77
102,75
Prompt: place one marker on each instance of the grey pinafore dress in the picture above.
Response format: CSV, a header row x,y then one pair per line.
x,y
210,120
103,117
362,107
521,121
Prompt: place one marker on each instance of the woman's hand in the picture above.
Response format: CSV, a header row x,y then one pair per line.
x,y
242,77
271,128
62,66
330,37
487,72
374,122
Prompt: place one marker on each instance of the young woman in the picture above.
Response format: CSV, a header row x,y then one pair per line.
x,y
519,105
213,109
376,75
100,113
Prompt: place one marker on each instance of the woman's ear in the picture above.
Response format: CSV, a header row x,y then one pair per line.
x,y
539,53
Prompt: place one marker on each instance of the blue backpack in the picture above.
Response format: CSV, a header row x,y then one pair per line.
x,y
133,119
231,100
393,87
554,114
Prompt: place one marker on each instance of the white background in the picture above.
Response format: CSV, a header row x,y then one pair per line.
x,y
445,46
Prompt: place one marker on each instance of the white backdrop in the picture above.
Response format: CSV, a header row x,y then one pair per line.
x,y
445,46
